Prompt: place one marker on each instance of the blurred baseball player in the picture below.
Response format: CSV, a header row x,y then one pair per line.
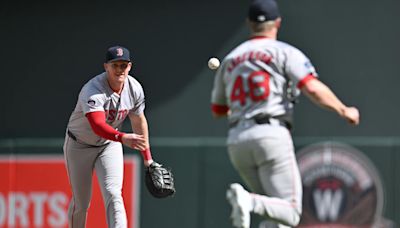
x,y
94,142
255,87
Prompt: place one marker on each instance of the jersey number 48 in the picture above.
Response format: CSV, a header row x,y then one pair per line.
x,y
258,87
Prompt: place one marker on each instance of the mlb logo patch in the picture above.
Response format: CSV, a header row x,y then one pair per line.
x,y
308,65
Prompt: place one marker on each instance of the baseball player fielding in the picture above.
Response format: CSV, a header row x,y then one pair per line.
x,y
92,141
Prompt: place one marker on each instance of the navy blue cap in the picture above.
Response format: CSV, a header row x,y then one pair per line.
x,y
117,53
263,10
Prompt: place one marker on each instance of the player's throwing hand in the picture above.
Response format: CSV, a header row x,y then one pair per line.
x,y
352,115
134,141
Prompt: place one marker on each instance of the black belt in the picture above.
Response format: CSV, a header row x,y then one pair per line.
x,y
265,120
72,136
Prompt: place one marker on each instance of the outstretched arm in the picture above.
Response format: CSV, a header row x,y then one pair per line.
x,y
100,127
320,94
140,127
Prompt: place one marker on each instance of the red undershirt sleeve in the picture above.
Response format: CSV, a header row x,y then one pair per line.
x,y
219,109
100,127
306,79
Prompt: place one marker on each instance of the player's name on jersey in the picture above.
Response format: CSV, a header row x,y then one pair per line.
x,y
249,56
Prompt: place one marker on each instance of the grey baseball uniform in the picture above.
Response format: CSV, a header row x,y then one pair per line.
x,y
85,151
257,82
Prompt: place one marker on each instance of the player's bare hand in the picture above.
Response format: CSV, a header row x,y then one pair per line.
x,y
352,115
134,141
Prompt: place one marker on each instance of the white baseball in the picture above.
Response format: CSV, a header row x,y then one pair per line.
x,y
213,63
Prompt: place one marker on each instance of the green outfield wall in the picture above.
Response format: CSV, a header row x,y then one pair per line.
x,y
203,172
50,49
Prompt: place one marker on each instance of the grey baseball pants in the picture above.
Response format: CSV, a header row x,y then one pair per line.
x,y
269,168
107,160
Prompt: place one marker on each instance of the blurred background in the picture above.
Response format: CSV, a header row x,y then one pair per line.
x,y
51,48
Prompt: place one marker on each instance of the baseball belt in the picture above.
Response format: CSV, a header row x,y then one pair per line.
x,y
265,119
72,136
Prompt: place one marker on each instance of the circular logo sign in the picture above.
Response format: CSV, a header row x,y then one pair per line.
x,y
341,187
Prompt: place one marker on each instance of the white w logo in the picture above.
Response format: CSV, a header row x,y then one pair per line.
x,y
327,203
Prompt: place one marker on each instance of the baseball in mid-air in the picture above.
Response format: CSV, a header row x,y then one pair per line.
x,y
213,63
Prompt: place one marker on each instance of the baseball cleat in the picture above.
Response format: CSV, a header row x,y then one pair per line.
x,y
240,201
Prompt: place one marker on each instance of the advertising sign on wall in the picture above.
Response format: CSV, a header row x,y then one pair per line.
x,y
35,192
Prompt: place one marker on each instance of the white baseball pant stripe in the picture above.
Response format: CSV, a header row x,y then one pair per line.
x,y
269,168
107,160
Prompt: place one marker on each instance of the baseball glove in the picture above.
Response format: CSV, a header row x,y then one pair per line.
x,y
159,181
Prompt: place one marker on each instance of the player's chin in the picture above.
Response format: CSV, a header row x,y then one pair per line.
x,y
120,77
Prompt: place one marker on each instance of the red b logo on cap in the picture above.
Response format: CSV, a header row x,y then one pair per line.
x,y
120,52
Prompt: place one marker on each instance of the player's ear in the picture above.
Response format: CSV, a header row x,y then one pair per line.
x,y
105,66
278,22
